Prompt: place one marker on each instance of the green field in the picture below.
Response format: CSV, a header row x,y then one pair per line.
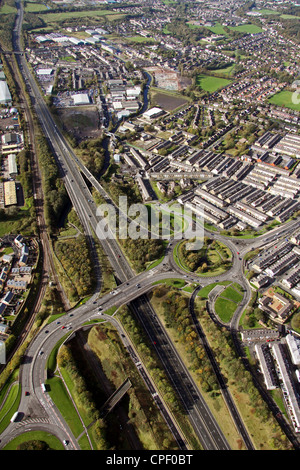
x,y
290,17
34,7
6,9
266,11
139,39
284,99
58,17
226,71
231,294
225,309
246,28
217,29
211,84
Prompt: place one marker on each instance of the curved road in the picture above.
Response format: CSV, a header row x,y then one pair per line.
x,y
128,292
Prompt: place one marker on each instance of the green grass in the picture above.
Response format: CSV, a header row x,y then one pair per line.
x,y
204,292
61,398
246,28
232,294
266,11
139,39
59,17
179,283
7,9
35,7
217,29
211,84
10,406
51,440
289,17
225,309
226,71
284,99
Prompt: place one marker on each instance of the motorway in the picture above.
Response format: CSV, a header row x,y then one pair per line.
x,y
132,291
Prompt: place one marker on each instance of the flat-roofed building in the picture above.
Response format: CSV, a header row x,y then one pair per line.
x,y
10,193
294,348
265,360
288,387
81,98
153,113
12,165
5,96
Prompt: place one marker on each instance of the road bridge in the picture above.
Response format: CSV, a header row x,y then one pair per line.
x,y
114,399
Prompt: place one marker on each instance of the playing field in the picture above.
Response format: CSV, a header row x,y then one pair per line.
x,y
247,28
211,84
285,99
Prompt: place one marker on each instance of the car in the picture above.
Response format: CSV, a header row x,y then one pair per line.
x,y
63,327
41,352
26,394
65,442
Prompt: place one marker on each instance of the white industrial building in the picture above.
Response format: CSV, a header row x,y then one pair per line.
x,y
12,165
81,98
5,96
153,113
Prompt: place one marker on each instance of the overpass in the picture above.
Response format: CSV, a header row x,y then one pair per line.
x,y
114,399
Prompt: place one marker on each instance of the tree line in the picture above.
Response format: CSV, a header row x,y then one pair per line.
x,y
55,194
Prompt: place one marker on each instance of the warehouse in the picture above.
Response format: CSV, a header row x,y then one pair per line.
x,y
12,165
153,113
10,193
5,96
81,98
